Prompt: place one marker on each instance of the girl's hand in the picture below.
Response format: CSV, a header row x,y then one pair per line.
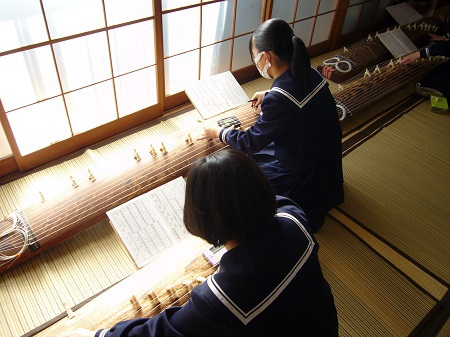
x,y
434,37
210,132
257,98
408,59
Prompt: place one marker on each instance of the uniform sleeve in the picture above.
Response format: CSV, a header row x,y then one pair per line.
x,y
439,48
274,121
195,318
289,206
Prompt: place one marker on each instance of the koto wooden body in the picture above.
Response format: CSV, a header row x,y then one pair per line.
x,y
52,222
379,81
371,51
131,299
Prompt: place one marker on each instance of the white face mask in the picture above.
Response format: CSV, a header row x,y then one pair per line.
x,y
263,72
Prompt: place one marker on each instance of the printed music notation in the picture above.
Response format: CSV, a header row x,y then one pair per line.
x,y
216,94
151,222
404,13
397,42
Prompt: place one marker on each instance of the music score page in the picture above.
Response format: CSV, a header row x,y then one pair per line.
x,y
397,42
151,223
404,13
216,94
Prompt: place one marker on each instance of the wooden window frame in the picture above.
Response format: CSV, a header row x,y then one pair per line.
x,y
60,150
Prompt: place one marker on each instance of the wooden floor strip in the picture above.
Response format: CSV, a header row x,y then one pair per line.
x,y
400,192
372,297
425,281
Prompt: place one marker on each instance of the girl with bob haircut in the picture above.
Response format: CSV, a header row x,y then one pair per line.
x,y
296,140
227,198
269,282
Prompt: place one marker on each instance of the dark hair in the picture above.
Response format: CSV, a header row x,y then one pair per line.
x,y
277,36
227,197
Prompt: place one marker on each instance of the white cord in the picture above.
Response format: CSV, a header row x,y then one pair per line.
x,y
329,63
427,92
340,69
335,61
344,111
14,228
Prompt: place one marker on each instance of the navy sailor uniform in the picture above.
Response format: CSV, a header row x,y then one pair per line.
x,y
270,285
297,143
438,77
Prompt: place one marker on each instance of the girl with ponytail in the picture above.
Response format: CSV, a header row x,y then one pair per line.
x,y
297,139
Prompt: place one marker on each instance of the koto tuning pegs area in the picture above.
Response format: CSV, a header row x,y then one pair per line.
x,y
91,176
189,140
152,151
74,183
136,156
163,149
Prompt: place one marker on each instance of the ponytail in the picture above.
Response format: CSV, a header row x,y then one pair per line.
x,y
276,35
300,63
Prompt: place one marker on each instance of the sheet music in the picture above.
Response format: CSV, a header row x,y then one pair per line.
x,y
397,42
216,94
151,222
403,13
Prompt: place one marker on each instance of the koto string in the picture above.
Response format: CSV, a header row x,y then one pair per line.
x,y
409,69
363,100
369,51
379,48
393,79
402,75
41,234
364,50
148,304
183,167
174,298
138,181
84,211
158,166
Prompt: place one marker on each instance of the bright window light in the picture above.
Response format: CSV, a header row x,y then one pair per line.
x,y
39,125
91,107
27,77
69,17
83,61
21,24
132,47
136,91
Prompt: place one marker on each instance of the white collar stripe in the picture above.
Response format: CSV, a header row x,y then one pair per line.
x,y
222,296
306,99
224,133
246,317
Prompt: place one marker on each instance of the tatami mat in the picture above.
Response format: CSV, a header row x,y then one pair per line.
x,y
372,297
445,331
83,266
397,186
